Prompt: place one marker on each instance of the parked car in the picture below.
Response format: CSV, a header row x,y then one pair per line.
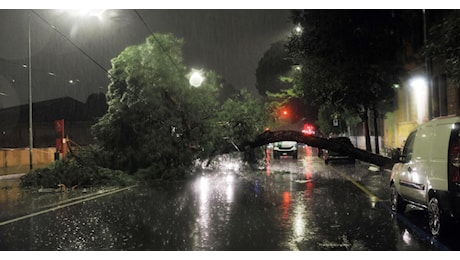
x,y
285,148
427,173
330,156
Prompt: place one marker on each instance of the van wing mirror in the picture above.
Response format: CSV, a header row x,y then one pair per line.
x,y
402,158
397,156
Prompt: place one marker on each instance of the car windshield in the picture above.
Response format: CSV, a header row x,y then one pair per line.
x,y
286,143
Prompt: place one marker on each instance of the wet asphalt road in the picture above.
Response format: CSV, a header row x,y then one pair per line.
x,y
287,206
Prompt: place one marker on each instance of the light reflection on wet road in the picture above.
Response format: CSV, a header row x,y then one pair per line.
x,y
290,205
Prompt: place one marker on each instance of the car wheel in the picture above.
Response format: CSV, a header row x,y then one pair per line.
x,y
436,218
326,161
294,156
397,203
276,156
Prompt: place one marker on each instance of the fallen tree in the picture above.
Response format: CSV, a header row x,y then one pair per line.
x,y
319,142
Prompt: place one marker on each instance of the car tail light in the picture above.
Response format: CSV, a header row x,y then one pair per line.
x,y
454,157
455,162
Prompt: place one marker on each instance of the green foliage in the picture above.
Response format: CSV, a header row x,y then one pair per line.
x,y
275,101
326,115
154,116
157,125
241,118
72,171
290,100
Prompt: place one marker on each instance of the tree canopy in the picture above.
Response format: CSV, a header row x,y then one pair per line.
x,y
155,119
443,42
349,58
274,64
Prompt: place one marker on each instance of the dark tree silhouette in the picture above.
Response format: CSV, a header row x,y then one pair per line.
x,y
274,64
349,58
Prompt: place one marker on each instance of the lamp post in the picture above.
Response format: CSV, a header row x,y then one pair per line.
x,y
29,54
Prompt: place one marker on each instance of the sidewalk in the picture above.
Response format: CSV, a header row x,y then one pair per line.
x,y
17,171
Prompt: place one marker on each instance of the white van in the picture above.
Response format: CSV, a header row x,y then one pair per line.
x,y
428,174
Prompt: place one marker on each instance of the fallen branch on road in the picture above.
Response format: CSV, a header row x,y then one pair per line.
x,y
319,142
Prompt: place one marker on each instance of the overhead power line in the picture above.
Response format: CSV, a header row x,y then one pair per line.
x,y
156,39
84,52
71,42
94,60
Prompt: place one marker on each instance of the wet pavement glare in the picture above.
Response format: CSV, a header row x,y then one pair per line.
x,y
287,206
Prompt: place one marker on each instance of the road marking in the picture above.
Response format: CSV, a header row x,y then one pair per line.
x,y
60,206
361,187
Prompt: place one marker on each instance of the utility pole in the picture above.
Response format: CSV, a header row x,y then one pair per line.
x,y
31,140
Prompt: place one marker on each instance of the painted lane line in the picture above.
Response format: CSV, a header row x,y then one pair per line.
x,y
78,198
361,187
63,206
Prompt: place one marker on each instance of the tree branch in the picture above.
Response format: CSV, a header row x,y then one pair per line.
x,y
322,143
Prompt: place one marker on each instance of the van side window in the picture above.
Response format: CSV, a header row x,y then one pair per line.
x,y
408,147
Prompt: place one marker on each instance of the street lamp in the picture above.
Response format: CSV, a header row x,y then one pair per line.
x,y
99,13
298,29
29,66
196,78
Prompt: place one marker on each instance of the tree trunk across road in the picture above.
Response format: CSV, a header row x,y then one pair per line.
x,y
322,143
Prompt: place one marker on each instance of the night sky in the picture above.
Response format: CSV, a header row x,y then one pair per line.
x,y
230,42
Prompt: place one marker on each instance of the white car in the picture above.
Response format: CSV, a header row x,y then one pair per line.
x,y
428,173
285,148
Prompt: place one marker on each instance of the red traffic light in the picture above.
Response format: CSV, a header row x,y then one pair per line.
x,y
284,112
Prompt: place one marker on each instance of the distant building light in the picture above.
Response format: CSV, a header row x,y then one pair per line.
x,y
420,94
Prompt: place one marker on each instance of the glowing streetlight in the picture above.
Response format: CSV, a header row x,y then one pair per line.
x,y
99,13
298,29
196,78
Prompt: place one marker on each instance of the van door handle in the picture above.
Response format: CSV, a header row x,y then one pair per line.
x,y
409,169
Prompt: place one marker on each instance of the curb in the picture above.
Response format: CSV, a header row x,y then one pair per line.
x,y
12,176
